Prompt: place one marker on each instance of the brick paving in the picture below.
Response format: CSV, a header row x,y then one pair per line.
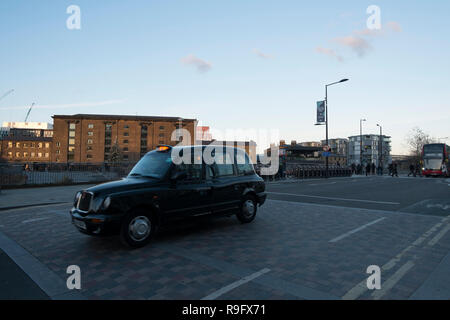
x,y
291,239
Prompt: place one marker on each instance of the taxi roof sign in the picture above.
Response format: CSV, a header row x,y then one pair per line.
x,y
163,148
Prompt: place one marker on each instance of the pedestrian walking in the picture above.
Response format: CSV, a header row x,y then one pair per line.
x,y
373,168
417,170
368,167
394,170
412,170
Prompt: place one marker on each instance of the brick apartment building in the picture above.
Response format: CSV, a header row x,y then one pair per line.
x,y
20,145
90,138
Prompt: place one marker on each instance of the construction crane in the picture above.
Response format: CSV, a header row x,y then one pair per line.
x,y
29,110
7,93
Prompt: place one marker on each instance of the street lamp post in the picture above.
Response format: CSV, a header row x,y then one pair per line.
x,y
360,140
380,156
326,120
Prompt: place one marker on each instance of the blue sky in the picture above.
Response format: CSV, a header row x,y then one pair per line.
x,y
263,64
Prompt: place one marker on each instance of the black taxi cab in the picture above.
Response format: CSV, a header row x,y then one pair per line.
x,y
162,188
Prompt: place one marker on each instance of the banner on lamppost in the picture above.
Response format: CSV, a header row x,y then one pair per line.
x,y
320,111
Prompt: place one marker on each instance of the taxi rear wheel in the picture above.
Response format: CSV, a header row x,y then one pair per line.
x,y
247,212
137,229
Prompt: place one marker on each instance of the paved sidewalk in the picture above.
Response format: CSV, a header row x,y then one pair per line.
x,y
12,198
15,283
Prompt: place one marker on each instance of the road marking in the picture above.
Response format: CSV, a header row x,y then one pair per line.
x,y
35,219
331,198
392,280
439,236
235,284
345,235
361,287
266,280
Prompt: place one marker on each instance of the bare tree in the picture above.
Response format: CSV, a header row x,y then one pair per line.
x,y
116,154
416,139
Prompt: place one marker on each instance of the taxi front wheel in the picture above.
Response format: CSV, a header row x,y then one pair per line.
x,y
248,208
137,229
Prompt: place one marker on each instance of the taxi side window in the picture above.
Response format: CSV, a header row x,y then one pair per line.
x,y
193,171
244,166
224,165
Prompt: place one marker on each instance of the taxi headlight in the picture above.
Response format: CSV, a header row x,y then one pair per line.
x,y
77,196
106,203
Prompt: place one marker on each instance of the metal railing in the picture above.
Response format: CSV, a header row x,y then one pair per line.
x,y
60,174
307,172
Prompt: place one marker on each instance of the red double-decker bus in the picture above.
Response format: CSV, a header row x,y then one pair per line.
x,y
435,160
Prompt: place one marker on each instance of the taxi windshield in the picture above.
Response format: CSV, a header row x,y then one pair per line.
x,y
152,165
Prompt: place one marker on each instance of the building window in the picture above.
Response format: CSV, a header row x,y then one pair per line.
x,y
143,140
58,152
17,154
108,134
161,128
47,154
126,134
25,154
10,144
89,156
39,154
125,141
58,144
161,142
89,148
90,126
90,133
126,126
161,135
40,145
17,144
125,149
125,157
47,145
25,145
71,147
90,141
33,154
10,154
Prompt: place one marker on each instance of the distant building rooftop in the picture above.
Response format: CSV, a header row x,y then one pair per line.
x,y
27,125
120,117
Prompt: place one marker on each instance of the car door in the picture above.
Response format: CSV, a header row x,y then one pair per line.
x,y
225,189
189,196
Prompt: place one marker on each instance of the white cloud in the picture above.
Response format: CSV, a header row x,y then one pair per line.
x,y
357,44
65,106
329,52
262,54
201,65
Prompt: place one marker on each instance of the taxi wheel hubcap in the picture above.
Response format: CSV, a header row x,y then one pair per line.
x,y
139,228
248,208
